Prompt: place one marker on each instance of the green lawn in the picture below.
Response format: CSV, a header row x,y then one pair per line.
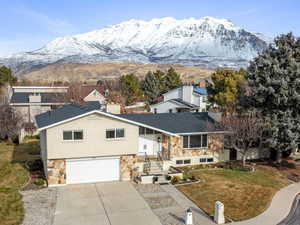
x,y
244,194
13,175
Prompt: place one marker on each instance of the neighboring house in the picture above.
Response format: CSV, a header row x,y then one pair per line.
x,y
138,107
93,93
186,98
81,144
33,100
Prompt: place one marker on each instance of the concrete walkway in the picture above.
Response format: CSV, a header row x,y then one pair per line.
x,y
199,217
278,210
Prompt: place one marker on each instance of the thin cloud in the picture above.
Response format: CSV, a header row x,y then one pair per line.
x,y
52,25
245,13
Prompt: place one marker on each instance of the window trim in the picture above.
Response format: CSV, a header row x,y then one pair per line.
x,y
189,138
73,140
115,134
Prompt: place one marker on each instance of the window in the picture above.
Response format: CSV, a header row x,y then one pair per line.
x,y
170,110
67,135
210,160
149,131
115,133
120,133
78,135
155,111
203,160
142,130
179,162
204,99
72,135
195,141
187,161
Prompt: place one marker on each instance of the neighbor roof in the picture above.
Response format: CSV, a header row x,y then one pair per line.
x,y
65,112
182,103
23,97
177,123
200,91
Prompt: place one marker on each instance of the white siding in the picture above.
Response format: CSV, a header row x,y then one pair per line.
x,y
164,107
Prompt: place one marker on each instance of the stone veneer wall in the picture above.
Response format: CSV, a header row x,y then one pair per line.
x,y
56,171
127,166
215,145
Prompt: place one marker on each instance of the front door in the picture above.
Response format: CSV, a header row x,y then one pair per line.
x,y
148,144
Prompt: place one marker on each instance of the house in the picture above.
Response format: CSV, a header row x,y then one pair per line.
x,y
81,144
30,101
186,98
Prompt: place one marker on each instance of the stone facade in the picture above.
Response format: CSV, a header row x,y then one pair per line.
x,y
174,146
127,166
56,171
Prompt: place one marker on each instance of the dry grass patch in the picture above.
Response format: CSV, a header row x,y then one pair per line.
x,y
13,175
244,194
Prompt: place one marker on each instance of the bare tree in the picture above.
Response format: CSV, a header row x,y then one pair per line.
x,y
11,122
243,133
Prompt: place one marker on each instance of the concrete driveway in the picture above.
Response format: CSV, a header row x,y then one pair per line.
x,y
115,203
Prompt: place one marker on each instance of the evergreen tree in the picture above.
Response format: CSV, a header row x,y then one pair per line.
x,y
274,79
6,76
161,76
225,88
131,88
151,86
172,79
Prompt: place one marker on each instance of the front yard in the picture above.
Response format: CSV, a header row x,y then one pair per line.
x,y
13,175
244,194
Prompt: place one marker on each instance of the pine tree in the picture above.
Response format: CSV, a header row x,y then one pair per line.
x,y
225,88
172,79
151,86
161,76
131,88
274,79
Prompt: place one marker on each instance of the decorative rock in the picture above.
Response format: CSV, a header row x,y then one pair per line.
x,y
189,217
219,213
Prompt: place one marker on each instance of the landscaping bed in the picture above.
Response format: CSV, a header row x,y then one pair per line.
x,y
245,194
13,176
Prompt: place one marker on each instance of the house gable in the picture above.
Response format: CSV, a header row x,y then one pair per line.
x,y
94,95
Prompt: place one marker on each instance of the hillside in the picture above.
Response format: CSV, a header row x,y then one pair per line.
x,y
76,72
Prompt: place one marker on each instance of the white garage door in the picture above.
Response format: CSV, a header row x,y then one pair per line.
x,y
92,170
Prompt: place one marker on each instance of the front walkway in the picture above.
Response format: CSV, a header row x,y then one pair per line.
x,y
170,205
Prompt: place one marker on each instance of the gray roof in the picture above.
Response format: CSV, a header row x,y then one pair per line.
x,y
177,123
182,103
65,112
23,97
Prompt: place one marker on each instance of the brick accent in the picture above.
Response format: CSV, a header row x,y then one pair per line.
x,y
56,171
127,165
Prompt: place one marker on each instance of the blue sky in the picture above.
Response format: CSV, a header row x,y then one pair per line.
x,y
28,25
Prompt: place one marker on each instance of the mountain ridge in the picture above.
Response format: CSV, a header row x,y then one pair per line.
x,y
206,42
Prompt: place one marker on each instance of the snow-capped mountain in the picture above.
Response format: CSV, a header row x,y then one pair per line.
x,y
207,42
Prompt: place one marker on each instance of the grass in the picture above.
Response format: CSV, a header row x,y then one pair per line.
x,y
244,194
13,175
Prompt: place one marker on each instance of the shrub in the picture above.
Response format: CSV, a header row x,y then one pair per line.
x,y
187,176
175,179
39,182
287,164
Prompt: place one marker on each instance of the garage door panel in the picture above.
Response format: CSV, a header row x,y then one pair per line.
x,y
93,170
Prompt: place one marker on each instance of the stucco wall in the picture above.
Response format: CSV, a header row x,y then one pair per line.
x,y
94,142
